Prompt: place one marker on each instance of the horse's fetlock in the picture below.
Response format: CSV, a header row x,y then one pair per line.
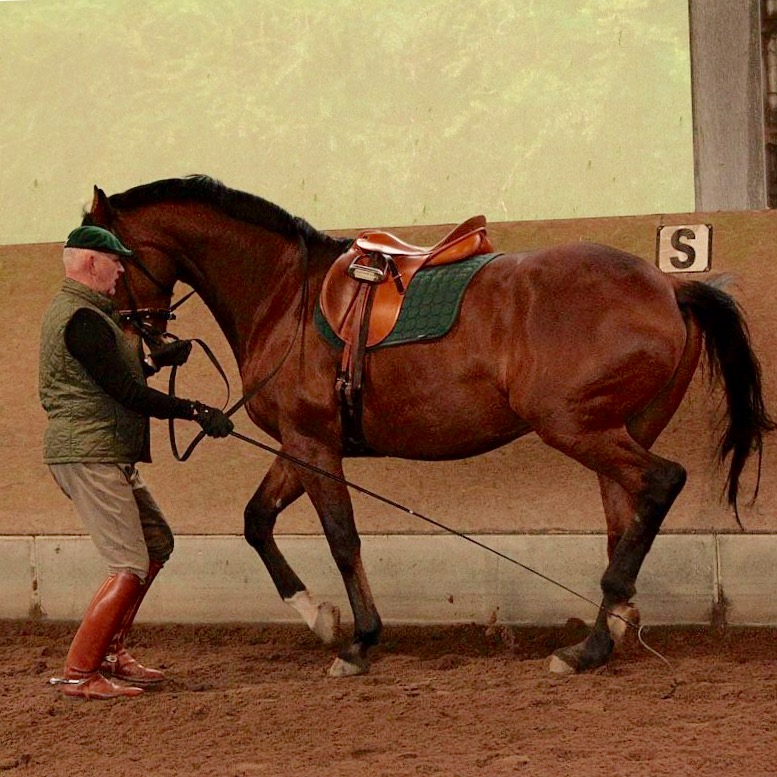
x,y
369,637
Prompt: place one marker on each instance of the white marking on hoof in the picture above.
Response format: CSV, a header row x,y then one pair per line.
x,y
341,668
327,625
322,619
620,618
559,666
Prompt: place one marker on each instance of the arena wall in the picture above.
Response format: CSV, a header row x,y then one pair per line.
x,y
543,508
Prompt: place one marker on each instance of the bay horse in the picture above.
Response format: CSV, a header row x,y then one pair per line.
x,y
589,347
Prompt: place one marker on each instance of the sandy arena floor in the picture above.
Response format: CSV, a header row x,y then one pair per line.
x,y
457,701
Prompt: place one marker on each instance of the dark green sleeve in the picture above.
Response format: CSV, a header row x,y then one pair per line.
x,y
89,338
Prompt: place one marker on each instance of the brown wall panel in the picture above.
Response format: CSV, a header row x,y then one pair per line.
x,y
522,487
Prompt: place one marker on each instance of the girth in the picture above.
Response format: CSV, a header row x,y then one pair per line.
x,y
362,297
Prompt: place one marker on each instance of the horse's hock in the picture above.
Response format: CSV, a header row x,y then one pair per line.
x,y
525,500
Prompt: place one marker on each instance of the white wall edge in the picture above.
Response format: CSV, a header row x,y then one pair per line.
x,y
686,579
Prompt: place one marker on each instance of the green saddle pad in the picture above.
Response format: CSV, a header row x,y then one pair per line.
x,y
431,304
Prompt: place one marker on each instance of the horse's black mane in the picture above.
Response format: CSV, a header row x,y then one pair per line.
x,y
236,204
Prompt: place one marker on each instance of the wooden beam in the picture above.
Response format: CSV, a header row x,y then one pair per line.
x,y
728,107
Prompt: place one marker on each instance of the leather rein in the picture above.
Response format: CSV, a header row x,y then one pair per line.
x,y
142,320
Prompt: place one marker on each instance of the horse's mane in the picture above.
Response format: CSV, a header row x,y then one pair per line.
x,y
234,203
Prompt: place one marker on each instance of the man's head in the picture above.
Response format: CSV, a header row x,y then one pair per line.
x,y
91,257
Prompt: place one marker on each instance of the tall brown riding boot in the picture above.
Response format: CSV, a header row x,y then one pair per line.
x,y
118,662
103,617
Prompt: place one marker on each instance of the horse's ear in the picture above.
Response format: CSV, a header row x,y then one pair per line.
x,y
101,210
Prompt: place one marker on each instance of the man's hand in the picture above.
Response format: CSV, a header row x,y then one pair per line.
x,y
213,422
171,354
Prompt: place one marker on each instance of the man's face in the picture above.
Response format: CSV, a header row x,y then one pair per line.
x,y
106,270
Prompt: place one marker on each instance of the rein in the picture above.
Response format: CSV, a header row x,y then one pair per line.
x,y
248,395
151,335
141,318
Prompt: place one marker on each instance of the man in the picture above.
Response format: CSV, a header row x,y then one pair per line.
x,y
92,384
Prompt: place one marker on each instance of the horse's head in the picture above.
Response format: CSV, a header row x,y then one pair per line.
x,y
144,293
239,252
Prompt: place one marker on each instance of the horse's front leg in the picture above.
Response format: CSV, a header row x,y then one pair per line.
x,y
333,505
279,488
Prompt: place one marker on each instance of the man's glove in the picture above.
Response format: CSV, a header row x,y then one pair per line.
x,y
171,354
213,422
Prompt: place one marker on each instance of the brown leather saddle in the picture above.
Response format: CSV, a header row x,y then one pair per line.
x,y
362,297
381,265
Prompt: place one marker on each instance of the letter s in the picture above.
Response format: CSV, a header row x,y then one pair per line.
x,y
688,251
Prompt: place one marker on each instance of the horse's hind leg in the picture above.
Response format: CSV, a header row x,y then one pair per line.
x,y
645,428
619,505
652,483
279,488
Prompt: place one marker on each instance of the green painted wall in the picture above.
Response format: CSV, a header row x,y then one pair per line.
x,y
348,112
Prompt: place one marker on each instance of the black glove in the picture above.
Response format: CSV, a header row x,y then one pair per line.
x,y
171,354
213,422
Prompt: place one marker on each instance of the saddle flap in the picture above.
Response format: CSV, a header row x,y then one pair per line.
x,y
338,302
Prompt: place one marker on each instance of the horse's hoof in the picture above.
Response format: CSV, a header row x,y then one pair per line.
x,y
591,653
343,668
620,618
327,624
559,666
323,618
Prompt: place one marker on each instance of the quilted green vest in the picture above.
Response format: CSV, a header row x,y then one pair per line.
x,y
84,423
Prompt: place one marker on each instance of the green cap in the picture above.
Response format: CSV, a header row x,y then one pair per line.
x,y
96,239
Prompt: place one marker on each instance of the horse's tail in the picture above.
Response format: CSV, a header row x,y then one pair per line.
x,y
731,360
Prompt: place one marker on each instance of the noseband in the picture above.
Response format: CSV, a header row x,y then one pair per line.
x,y
143,318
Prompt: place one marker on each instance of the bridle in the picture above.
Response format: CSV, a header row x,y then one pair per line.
x,y
140,318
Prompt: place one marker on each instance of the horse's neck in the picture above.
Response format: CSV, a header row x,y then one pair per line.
x,y
254,287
